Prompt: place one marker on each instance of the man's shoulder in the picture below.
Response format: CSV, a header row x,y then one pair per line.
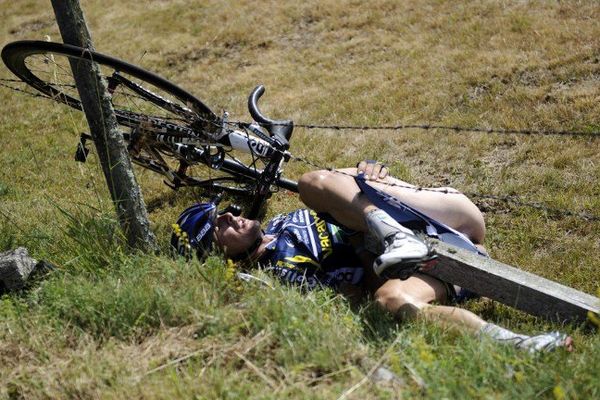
x,y
297,216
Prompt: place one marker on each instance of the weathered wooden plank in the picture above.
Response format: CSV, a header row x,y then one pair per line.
x,y
514,287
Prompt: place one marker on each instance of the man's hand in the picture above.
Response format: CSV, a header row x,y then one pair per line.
x,y
372,169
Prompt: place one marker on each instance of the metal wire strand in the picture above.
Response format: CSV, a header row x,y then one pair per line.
x,y
514,200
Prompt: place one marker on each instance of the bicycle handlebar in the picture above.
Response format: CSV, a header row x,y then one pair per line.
x,y
281,129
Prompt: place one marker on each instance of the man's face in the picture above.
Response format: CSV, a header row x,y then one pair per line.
x,y
235,234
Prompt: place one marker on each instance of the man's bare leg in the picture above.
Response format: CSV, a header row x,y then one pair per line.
x,y
412,298
452,208
338,194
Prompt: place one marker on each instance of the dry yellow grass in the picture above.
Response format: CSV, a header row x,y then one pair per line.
x,y
489,64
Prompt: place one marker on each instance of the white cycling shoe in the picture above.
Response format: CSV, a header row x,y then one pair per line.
x,y
404,254
545,342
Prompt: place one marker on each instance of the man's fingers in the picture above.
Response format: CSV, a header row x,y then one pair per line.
x,y
375,169
366,167
372,169
361,166
383,172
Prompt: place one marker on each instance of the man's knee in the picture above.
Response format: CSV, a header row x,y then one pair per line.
x,y
312,179
470,219
314,184
474,223
397,302
311,186
320,179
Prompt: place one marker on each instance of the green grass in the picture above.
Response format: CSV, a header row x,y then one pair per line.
x,y
111,324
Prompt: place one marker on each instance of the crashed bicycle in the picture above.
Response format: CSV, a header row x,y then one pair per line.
x,y
167,129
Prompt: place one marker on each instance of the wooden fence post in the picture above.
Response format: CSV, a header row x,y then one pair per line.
x,y
512,286
109,142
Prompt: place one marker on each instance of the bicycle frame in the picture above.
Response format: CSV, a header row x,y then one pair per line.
x,y
201,149
188,134
272,148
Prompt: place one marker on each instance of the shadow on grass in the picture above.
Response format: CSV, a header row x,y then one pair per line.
x,y
377,325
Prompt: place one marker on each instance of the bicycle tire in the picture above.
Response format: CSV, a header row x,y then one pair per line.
x,y
16,55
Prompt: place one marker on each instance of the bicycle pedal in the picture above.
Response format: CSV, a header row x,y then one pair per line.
x,y
81,153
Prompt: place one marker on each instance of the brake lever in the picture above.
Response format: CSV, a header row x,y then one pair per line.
x,y
280,130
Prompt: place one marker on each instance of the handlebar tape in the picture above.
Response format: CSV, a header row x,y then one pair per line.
x,y
281,129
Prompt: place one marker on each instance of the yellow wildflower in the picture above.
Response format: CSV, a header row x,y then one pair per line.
x,y
594,319
229,270
519,376
559,393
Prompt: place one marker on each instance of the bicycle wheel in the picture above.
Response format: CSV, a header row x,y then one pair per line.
x,y
140,99
137,95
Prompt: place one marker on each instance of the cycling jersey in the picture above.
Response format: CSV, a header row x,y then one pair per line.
x,y
309,251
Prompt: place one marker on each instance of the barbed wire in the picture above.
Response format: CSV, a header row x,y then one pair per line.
x,y
397,127
19,89
72,86
515,200
530,132
552,211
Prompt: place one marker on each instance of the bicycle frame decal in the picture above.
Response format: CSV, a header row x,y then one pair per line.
x,y
248,144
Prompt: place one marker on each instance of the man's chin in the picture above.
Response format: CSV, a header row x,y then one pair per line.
x,y
255,228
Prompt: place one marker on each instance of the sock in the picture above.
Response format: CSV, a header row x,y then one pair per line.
x,y
382,225
500,334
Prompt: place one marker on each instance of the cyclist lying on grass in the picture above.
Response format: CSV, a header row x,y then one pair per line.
x,y
366,249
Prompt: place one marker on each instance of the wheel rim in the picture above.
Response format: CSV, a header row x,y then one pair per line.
x,y
50,73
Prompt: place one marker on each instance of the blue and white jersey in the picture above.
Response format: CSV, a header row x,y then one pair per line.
x,y
309,251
